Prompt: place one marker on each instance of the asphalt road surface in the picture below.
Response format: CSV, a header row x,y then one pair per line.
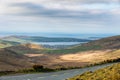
x,y
61,75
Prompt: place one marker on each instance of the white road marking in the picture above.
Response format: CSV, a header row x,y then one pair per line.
x,y
40,77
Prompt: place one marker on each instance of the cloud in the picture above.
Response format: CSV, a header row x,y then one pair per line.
x,y
59,15
71,5
85,12
75,9
64,10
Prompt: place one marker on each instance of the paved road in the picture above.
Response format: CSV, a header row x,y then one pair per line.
x,y
61,75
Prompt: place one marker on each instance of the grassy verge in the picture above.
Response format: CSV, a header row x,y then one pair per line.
x,y
108,73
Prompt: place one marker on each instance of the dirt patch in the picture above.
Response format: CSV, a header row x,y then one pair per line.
x,y
33,55
76,60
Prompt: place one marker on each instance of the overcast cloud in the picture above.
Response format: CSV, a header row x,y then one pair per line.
x,y
60,16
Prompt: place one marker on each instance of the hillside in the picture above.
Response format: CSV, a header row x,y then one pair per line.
x,y
25,48
106,43
10,61
102,44
14,38
89,53
4,44
80,59
108,73
42,39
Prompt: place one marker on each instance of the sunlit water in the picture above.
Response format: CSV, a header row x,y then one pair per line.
x,y
58,43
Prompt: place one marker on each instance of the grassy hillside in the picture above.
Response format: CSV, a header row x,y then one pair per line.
x,y
108,73
14,39
25,48
10,61
4,44
102,44
106,43
50,51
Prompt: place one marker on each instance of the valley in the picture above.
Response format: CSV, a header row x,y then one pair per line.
x,y
21,58
59,39
80,59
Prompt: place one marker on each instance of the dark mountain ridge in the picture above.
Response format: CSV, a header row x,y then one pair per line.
x,y
47,39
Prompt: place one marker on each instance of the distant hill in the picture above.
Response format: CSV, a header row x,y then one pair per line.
x,y
25,48
12,58
105,43
50,39
31,46
15,39
10,61
101,44
37,39
108,73
42,39
4,43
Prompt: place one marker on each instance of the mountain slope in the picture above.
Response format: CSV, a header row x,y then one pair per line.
x,y
10,61
102,44
4,44
25,48
14,38
95,52
106,43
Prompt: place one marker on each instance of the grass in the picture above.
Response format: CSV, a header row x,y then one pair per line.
x,y
108,73
72,50
4,44
58,51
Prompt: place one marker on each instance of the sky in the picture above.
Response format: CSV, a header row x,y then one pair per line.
x,y
60,16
